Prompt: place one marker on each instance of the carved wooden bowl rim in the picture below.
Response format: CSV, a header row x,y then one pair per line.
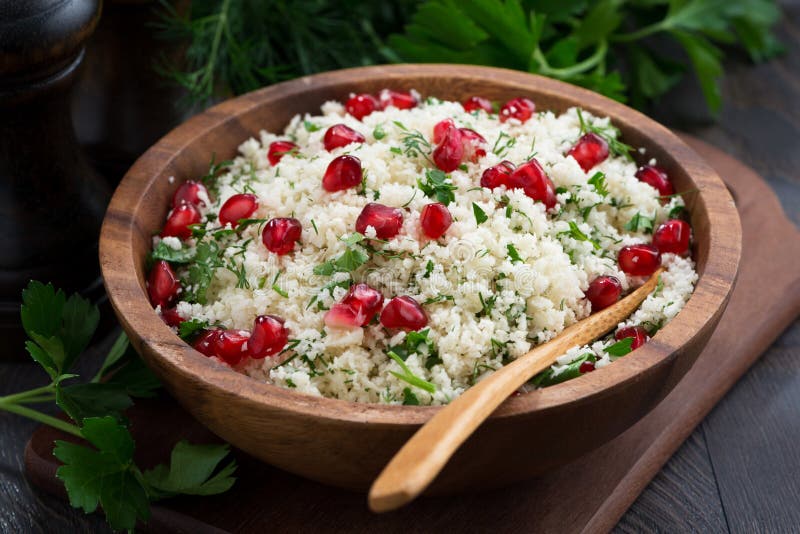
x,y
166,353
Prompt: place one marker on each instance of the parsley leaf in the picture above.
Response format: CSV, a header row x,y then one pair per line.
x,y
640,223
438,185
609,133
189,329
192,470
185,254
513,255
201,272
620,348
575,233
598,181
409,399
408,377
480,215
350,260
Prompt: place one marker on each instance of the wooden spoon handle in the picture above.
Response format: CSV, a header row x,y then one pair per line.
x,y
418,462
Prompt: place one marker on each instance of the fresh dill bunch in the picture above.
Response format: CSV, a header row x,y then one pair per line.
x,y
236,46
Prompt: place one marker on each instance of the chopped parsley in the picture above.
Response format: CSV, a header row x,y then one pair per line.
x,y
378,132
414,143
189,329
409,399
503,144
310,126
620,348
480,215
201,272
408,377
641,223
513,255
575,233
610,134
162,251
438,185
350,260
598,181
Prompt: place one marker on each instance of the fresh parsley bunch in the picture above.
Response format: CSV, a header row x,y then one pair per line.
x,y
103,472
615,47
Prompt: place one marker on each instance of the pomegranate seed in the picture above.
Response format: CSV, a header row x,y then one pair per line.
x,y
162,284
497,175
206,342
342,173
435,219
340,135
190,192
361,105
278,149
404,313
364,299
280,234
268,338
474,144
356,309
236,208
639,260
586,367
448,155
657,178
343,316
229,345
170,317
475,103
590,150
673,236
531,178
638,333
517,108
603,292
179,220
385,220
441,128
397,99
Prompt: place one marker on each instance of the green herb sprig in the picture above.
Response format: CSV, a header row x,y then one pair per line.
x,y
103,473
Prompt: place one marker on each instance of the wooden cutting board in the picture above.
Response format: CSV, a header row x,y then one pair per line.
x,y
605,483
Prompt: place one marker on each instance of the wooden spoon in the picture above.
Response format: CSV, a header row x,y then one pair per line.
x,y
415,465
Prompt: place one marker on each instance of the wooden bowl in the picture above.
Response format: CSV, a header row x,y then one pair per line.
x,y
346,444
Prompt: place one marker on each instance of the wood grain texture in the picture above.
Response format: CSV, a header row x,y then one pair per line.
x,y
604,483
422,458
287,428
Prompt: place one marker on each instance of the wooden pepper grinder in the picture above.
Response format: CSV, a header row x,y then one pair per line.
x,y
51,201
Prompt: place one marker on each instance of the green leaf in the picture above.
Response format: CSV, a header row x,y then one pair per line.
x,y
598,23
310,126
653,76
408,377
575,233
207,260
705,59
641,223
480,215
80,401
135,378
620,348
185,254
598,181
80,321
438,185
42,357
105,476
115,354
378,133
513,255
409,399
191,471
41,309
549,377
189,329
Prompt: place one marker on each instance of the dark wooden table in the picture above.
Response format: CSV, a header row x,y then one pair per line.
x,y
740,469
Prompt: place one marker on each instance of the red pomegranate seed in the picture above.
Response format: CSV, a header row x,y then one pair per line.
x,y
278,149
440,129
586,367
356,309
638,333
531,178
280,234
190,192
170,317
342,173
162,284
475,103
340,135
657,178
179,220
639,260
397,99
404,313
229,345
590,150
448,155
238,207
474,144
385,220
497,175
206,343
268,338
603,292
343,316
673,236
435,219
361,105
517,108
